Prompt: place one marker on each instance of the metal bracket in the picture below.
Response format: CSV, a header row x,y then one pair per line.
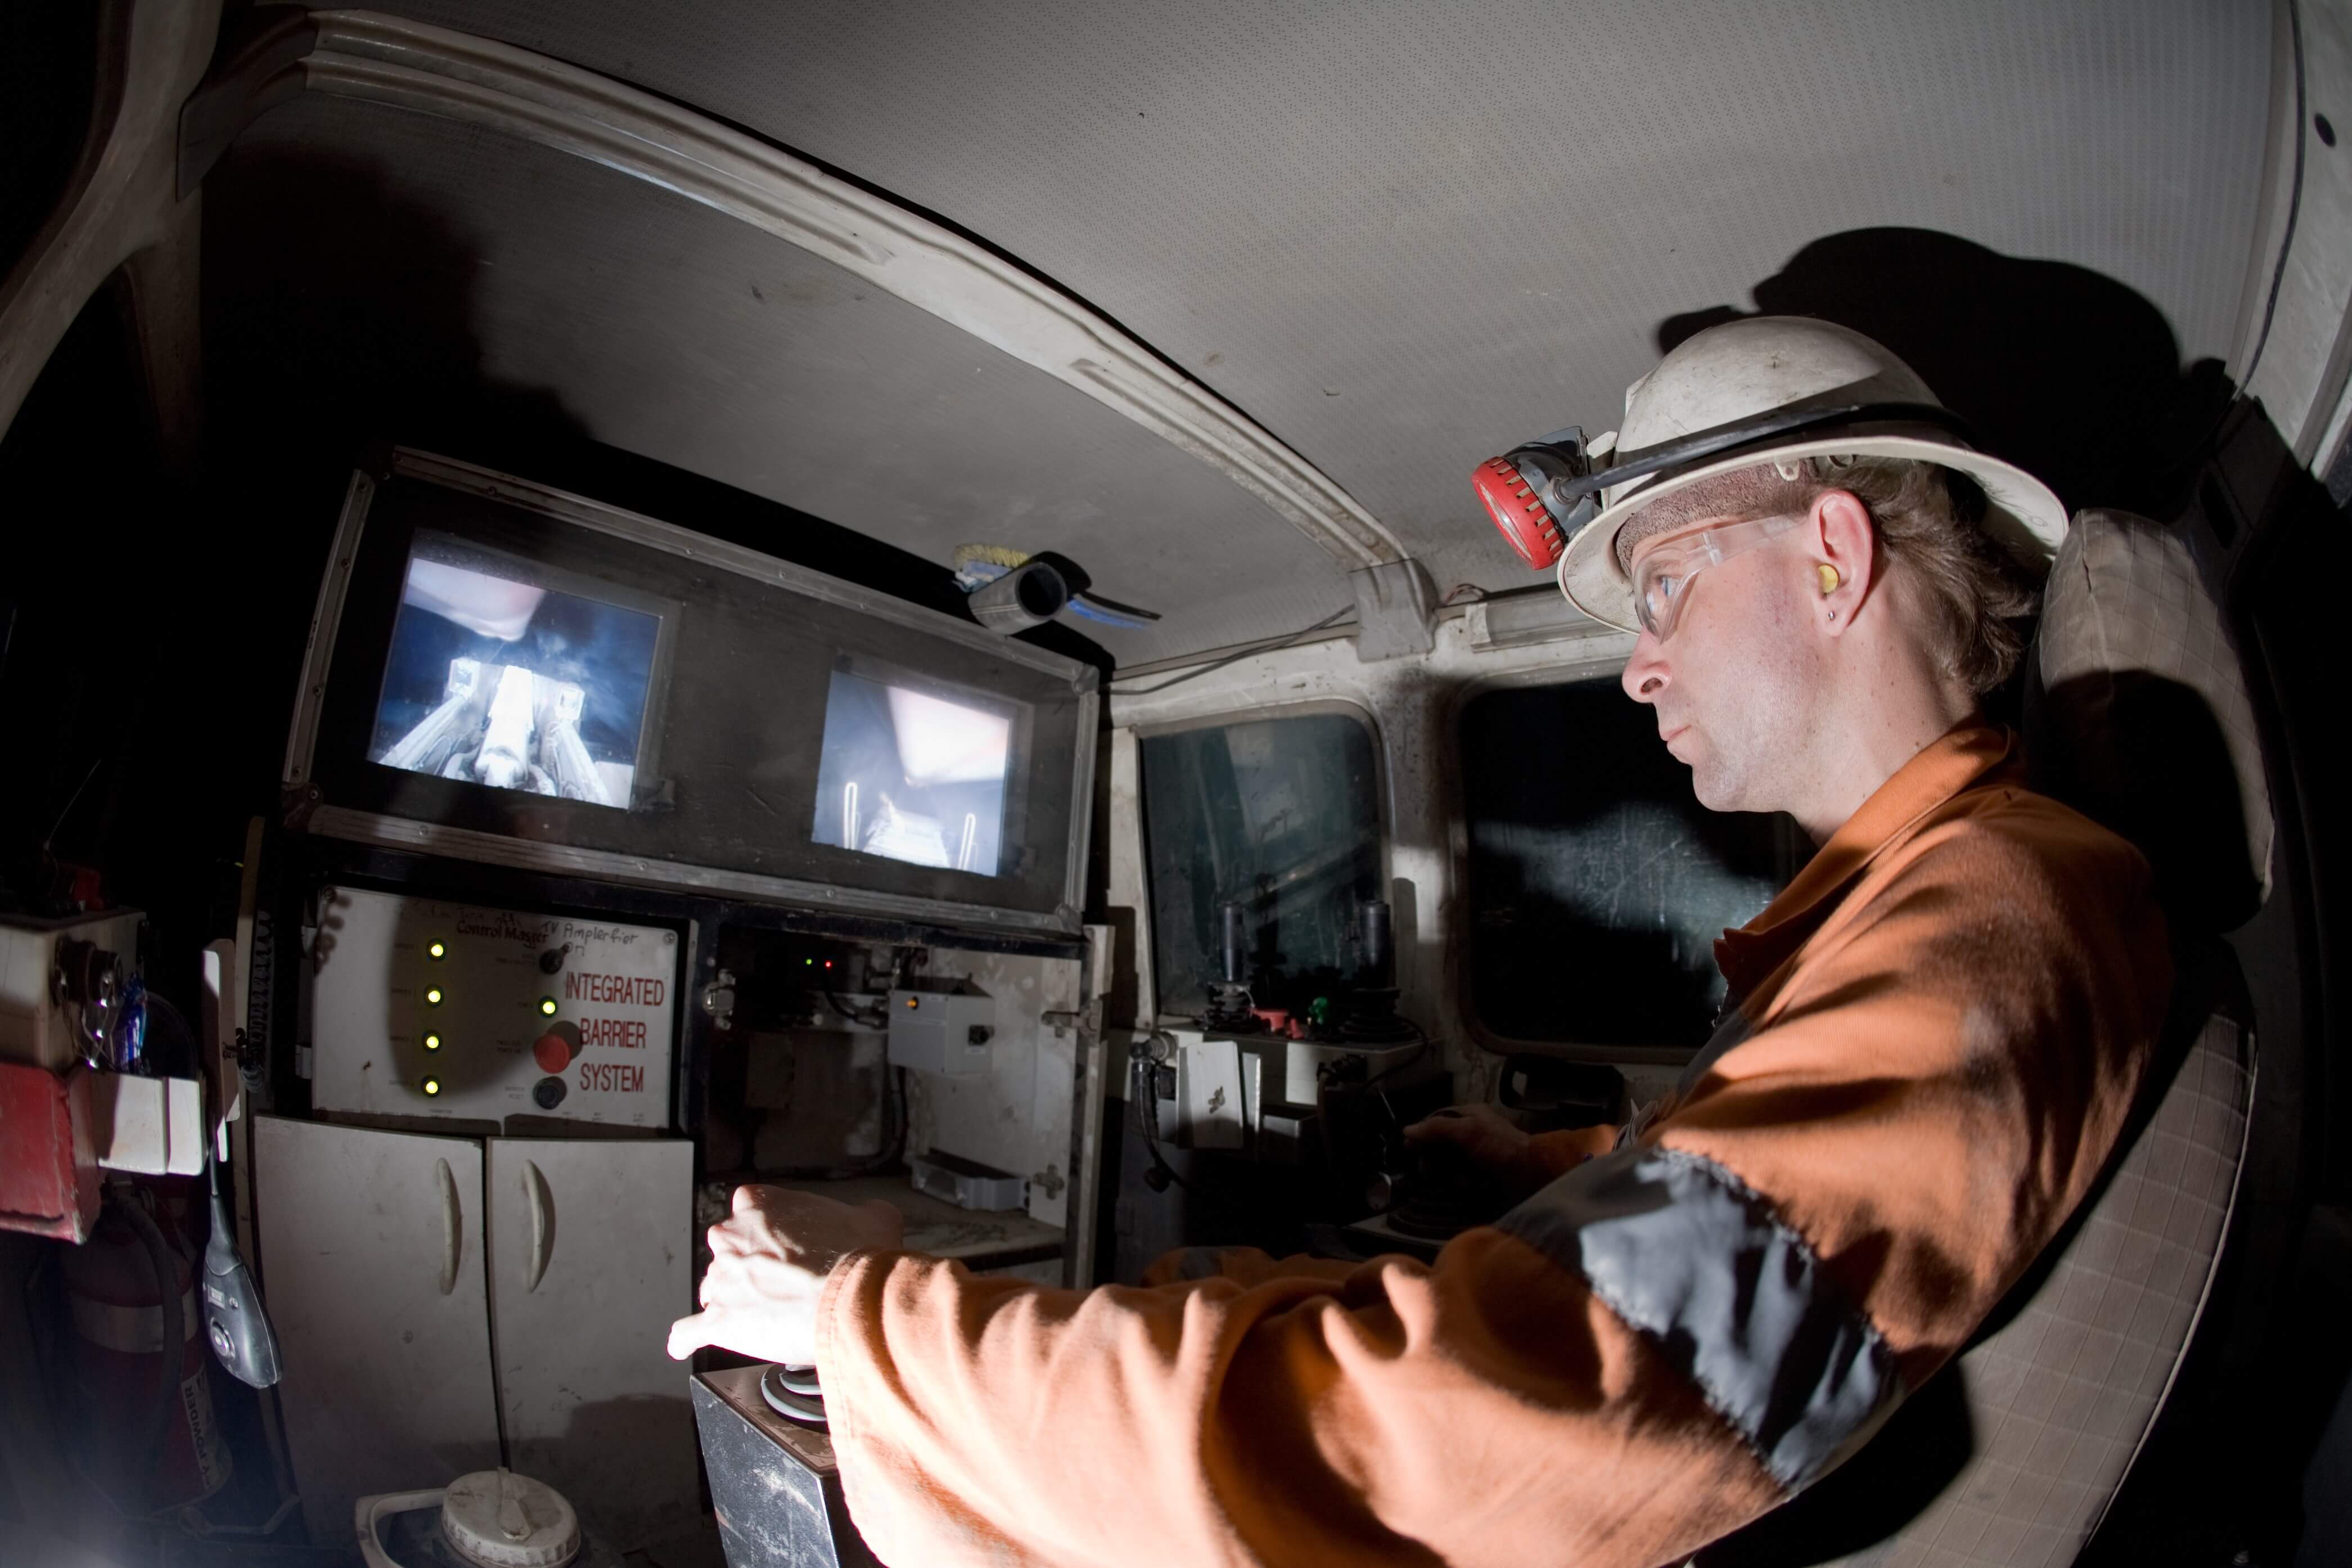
x,y
1396,610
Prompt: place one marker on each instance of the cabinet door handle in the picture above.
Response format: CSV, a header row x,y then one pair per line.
x,y
452,1226
542,1222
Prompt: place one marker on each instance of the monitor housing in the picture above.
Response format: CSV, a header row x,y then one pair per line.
x,y
502,672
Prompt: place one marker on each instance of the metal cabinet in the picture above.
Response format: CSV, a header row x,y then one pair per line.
x,y
591,1248
448,1304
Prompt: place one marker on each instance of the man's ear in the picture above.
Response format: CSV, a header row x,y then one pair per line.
x,y
1846,562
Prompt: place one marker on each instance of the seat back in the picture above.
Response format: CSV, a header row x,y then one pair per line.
x,y
2137,715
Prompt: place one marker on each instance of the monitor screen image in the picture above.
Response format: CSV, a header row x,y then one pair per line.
x,y
498,680
910,776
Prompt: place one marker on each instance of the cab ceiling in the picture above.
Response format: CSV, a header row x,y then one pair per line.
x,y
1401,237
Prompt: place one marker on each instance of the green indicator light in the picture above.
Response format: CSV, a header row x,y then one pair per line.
x,y
437,950
432,1042
432,1085
432,996
811,962
547,1006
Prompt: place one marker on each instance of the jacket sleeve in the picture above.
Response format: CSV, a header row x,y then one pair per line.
x,y
1662,1343
1938,1090
1486,1410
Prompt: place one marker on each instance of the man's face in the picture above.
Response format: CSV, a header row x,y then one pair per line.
x,y
1736,680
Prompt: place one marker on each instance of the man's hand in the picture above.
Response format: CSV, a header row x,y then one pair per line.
x,y
1487,1138
767,1266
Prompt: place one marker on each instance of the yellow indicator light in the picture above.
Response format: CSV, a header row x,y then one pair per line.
x,y
437,950
432,996
547,1006
912,1002
432,1042
432,1085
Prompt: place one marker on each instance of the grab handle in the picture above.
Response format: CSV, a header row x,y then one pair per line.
x,y
452,1225
542,1222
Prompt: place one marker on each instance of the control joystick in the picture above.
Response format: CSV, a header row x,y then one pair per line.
x,y
792,1393
1439,1192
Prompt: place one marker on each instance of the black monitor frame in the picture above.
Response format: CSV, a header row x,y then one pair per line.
x,y
646,790
575,545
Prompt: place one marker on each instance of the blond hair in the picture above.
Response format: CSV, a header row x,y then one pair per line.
x,y
1980,599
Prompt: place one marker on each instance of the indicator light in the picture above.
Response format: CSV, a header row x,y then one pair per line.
x,y
432,1042
911,1002
432,996
547,1007
432,1085
437,950
811,962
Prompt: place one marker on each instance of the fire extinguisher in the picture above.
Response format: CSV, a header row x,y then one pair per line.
x,y
138,1361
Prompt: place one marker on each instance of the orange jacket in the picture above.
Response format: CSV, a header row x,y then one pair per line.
x,y
1943,1022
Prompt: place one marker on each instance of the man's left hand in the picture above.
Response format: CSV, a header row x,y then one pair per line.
x,y
768,1265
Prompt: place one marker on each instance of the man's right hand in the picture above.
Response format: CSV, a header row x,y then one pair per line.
x,y
1489,1139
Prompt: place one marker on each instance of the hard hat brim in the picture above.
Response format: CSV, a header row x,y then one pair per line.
x,y
2024,514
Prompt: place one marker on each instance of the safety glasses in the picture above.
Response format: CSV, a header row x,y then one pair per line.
x,y
1662,576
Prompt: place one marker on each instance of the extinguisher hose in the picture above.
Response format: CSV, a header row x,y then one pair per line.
x,y
163,1260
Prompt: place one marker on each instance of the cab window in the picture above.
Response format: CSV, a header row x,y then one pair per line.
x,y
1596,882
1282,815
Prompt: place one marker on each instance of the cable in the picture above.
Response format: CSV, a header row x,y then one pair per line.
x,y
2294,199
1147,1118
852,1016
1237,656
1393,1068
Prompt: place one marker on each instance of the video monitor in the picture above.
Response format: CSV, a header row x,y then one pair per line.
x,y
911,770
497,676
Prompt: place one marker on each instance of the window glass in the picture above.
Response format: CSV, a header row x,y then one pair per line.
x,y
1598,883
1282,815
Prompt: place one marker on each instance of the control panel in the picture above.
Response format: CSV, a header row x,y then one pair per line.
x,y
424,1008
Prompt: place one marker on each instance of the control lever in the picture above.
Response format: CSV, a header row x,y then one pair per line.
x,y
234,1321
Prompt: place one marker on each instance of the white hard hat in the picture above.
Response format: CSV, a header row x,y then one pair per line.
x,y
1749,370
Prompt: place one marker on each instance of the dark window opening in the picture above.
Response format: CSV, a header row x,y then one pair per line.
x,y
1282,815
1598,883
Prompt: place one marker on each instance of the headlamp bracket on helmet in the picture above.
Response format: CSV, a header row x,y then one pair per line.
x,y
1542,494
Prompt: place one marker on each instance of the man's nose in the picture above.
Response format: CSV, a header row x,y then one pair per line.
x,y
1646,677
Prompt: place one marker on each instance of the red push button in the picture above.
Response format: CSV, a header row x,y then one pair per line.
x,y
552,1052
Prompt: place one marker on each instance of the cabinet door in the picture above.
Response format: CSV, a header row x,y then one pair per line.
x,y
371,1271
591,1253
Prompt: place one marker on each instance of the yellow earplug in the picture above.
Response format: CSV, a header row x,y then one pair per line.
x,y
1828,576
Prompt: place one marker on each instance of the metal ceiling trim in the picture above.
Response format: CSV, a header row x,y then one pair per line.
x,y
455,75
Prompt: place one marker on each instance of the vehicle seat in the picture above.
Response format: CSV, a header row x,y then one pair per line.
x,y
2137,714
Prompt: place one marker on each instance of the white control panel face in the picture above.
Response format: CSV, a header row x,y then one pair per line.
x,y
424,1008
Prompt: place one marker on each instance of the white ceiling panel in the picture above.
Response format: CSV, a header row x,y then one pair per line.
x,y
668,330
1405,236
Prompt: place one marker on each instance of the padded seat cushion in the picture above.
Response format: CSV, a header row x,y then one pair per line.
x,y
2009,1456
2137,714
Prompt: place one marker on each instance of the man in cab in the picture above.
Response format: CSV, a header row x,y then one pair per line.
x,y
1935,1037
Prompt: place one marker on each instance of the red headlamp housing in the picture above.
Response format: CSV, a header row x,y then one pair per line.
x,y
1538,495
1527,524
